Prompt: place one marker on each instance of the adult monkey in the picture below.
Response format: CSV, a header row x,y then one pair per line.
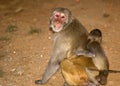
x,y
69,34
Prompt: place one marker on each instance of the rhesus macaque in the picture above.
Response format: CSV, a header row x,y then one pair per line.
x,y
96,52
69,34
76,71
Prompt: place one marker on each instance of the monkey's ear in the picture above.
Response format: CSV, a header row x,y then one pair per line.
x,y
72,18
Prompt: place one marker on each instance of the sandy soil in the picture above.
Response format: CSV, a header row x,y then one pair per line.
x,y
25,39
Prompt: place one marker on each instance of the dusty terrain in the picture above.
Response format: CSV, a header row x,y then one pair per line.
x,y
26,41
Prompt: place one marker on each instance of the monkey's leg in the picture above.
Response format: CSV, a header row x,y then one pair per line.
x,y
91,77
52,67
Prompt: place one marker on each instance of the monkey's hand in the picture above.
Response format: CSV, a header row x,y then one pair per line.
x,y
38,82
80,52
85,53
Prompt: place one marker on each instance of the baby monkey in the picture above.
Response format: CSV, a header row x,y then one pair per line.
x,y
95,51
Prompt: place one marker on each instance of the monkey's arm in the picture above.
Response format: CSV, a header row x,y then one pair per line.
x,y
53,66
86,53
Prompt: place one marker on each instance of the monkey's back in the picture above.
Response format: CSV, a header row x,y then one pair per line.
x,y
73,70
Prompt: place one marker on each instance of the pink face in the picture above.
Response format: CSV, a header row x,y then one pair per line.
x,y
59,19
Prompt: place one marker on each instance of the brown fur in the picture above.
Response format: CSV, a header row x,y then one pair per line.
x,y
74,72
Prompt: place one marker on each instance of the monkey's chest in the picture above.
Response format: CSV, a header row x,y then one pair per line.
x,y
67,44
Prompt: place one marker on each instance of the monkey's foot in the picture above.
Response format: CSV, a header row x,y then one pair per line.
x,y
38,82
103,80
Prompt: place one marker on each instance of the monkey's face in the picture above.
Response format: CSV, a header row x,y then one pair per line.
x,y
59,19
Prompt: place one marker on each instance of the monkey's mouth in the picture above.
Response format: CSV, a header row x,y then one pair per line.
x,y
57,25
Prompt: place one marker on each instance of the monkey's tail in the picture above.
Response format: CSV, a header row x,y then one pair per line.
x,y
110,71
113,71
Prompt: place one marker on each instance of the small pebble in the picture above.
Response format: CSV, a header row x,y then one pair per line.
x,y
49,37
41,56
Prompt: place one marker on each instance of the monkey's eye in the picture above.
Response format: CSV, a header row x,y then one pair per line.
x,y
57,15
62,16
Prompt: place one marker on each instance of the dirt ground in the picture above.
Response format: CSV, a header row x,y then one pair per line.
x,y
26,41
